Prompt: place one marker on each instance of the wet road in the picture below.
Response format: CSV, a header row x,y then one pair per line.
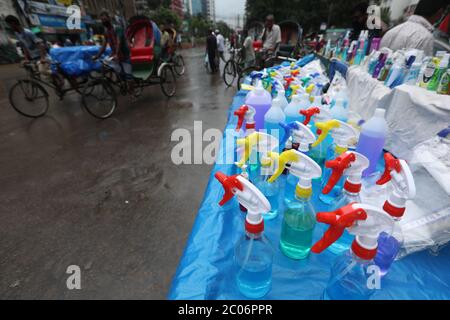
x,y
103,195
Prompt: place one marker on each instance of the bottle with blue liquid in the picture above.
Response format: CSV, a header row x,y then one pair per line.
x,y
352,165
262,144
398,173
372,140
344,136
299,214
253,257
319,149
354,275
298,102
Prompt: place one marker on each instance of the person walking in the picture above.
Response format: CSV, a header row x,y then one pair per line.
x,y
220,45
211,49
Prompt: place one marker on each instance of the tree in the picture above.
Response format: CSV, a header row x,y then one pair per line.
x,y
224,29
164,15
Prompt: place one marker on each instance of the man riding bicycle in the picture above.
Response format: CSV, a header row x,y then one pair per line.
x,y
271,36
120,60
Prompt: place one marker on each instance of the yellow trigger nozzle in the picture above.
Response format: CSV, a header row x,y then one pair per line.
x,y
309,88
325,128
248,142
283,159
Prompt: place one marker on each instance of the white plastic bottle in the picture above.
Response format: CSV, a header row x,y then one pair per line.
x,y
274,117
298,102
372,139
339,110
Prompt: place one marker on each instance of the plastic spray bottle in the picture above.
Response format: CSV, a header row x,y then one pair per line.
x,y
261,101
352,165
339,110
372,139
254,252
354,275
319,148
438,73
299,215
299,102
344,136
300,139
443,87
398,173
273,117
245,114
262,144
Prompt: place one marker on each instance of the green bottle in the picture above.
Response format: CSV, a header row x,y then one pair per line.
x,y
443,87
438,73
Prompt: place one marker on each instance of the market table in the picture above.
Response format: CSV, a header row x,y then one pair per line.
x,y
206,267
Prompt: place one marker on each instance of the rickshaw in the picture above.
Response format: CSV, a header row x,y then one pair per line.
x,y
143,37
173,56
291,38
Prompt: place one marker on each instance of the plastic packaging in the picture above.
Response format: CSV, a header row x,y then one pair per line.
x,y
372,139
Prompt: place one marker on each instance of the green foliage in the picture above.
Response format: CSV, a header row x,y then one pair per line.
x,y
308,13
386,15
224,29
199,26
164,15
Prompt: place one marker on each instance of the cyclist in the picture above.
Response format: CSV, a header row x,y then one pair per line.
x,y
271,36
115,38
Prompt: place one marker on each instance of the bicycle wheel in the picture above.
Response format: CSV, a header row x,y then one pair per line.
x,y
29,98
229,73
168,81
179,66
99,98
243,75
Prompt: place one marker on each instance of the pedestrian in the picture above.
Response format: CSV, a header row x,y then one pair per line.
x,y
211,49
33,47
417,31
248,50
220,45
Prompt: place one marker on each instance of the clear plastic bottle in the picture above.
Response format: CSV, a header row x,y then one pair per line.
x,y
271,191
273,118
253,260
298,225
299,102
372,140
348,280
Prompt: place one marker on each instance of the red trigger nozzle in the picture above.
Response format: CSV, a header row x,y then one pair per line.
x,y
240,113
391,163
308,114
229,183
338,166
338,220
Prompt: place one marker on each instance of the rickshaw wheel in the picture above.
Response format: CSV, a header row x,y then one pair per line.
x,y
29,98
99,98
229,73
179,65
168,81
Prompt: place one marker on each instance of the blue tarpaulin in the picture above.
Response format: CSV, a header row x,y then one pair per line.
x,y
77,61
206,267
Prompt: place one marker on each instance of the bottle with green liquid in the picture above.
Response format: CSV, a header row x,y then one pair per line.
x,y
299,215
439,73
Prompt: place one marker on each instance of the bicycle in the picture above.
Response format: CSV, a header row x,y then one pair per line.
x,y
100,97
233,67
29,96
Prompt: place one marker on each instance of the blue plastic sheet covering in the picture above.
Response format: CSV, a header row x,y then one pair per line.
x,y
206,267
77,61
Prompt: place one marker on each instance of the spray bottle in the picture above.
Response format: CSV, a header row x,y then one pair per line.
x,y
273,117
439,72
260,100
399,174
254,252
319,148
262,144
299,215
299,102
245,114
344,136
300,139
352,165
354,275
